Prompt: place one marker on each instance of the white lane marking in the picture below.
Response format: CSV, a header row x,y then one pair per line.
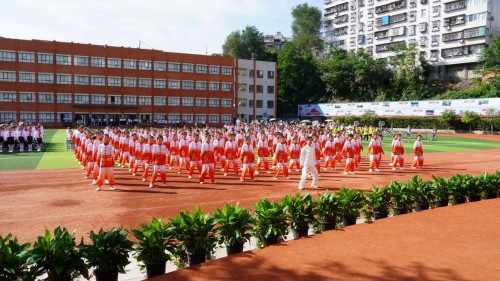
x,y
35,157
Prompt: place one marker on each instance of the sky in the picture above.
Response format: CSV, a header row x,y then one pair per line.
x,y
182,26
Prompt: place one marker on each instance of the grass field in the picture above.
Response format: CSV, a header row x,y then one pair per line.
x,y
55,156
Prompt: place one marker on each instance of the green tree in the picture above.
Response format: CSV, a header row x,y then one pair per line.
x,y
490,58
299,80
491,113
470,118
306,27
247,44
448,118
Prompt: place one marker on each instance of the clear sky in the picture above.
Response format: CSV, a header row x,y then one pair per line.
x,y
174,26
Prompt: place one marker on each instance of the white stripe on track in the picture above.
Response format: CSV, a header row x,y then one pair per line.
x,y
7,158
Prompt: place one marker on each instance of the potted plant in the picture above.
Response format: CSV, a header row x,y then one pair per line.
x,y
379,202
154,241
14,259
422,192
234,227
402,198
300,213
270,222
458,187
326,209
441,190
351,203
489,185
108,253
57,256
473,188
195,233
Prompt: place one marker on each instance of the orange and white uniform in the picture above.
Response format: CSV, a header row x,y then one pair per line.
x,y
218,145
231,156
184,153
374,151
281,157
348,154
337,143
159,154
132,144
125,150
329,154
263,155
294,153
419,155
194,157
106,158
147,157
139,147
207,161
247,158
398,152
90,158
317,150
174,154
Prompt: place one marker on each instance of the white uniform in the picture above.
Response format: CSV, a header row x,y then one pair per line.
x,y
308,161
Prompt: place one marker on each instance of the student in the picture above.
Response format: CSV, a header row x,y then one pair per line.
x,y
374,152
207,160
147,155
132,144
294,153
348,154
329,153
308,163
39,139
419,154
20,139
184,152
90,156
174,153
194,155
247,158
398,151
218,144
263,154
10,136
105,156
281,157
230,152
159,154
139,147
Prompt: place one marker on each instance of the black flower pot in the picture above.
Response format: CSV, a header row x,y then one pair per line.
x,y
346,221
270,240
325,226
475,198
297,233
423,206
155,269
234,249
400,211
457,201
380,215
440,204
196,258
110,276
490,195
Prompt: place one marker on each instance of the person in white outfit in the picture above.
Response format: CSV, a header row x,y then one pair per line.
x,y
308,162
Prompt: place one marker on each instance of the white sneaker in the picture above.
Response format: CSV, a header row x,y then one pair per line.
x,y
164,185
190,177
151,185
287,178
178,172
106,181
413,167
201,182
143,179
254,179
352,173
394,169
256,172
112,188
123,166
301,187
170,168
324,169
222,169
275,178
377,170
225,174
401,168
268,172
130,170
134,175
370,170
334,169
315,186
94,182
214,182
83,168
309,176
242,180
346,173
98,189
87,178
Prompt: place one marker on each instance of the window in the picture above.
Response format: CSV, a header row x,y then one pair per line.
x,y
412,29
115,100
63,79
270,89
260,74
242,87
259,104
260,89
46,58
114,63
45,98
174,117
227,87
145,65
7,97
114,81
81,61
201,118
130,64
98,99
81,99
424,12
270,75
26,77
227,70
160,117
242,71
174,84
214,69
160,66
360,14
214,86
454,6
189,68
81,80
187,101
7,56
250,88
28,116
187,117
214,102
478,16
64,117
174,67
160,83
270,104
8,116
201,86
98,62
436,10
130,100
188,85
145,118
7,76
202,69
26,57
46,117
63,98
250,103
475,32
435,25
144,82
226,118
98,81
27,97
242,102
227,103
63,59
130,82
434,40
160,101
46,78
201,102
174,101
250,73
214,118
144,100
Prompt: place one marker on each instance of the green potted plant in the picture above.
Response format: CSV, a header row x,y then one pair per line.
x,y
154,241
234,226
326,209
14,260
57,256
489,184
195,233
300,213
351,203
441,190
458,187
402,198
270,222
108,253
422,192
379,202
473,188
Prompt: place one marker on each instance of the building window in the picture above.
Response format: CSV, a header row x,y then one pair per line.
x,y
7,97
28,116
63,98
46,58
174,101
130,100
214,69
270,104
115,100
81,80
7,76
424,12
26,57
227,70
412,29
242,102
114,81
81,99
201,102
270,89
47,117
144,100
81,61
160,66
64,117
250,73
27,97
214,119
130,82
250,88
46,78
202,69
145,65
187,101
201,86
63,79
227,87
187,118
260,89
98,99
160,101
189,68
242,87
63,59
174,117
114,63
250,103
26,77
45,98
242,71
8,116
145,118
174,67
159,117
201,118
160,83
214,86
226,118
130,64
7,56
270,75
98,81
144,82
188,85
259,104
227,103
214,102
260,73
98,62
174,84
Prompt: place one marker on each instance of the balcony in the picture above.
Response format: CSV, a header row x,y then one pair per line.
x,y
453,6
390,7
453,36
385,47
340,31
387,20
452,21
340,7
341,19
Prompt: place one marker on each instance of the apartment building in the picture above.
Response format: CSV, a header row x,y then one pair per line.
x,y
60,83
449,33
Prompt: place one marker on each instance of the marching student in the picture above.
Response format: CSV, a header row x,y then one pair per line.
x,y
394,139
281,157
132,144
124,149
10,135
39,139
139,160
90,156
219,144
159,154
398,151
20,138
174,153
337,143
231,155
147,157
194,155
308,163
348,154
247,158
419,153
263,154
374,151
329,153
97,142
317,149
28,137
294,153
208,159
184,152
106,158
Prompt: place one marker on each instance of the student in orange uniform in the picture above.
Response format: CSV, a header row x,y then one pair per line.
x,y
194,155
184,152
329,153
90,156
159,154
231,155
132,144
263,154
418,151
174,153
281,157
348,154
147,157
294,153
398,152
219,144
374,150
207,159
247,158
139,146
106,158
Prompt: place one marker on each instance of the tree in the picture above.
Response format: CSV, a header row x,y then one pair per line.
x,y
491,113
470,118
490,58
448,118
247,44
306,27
299,80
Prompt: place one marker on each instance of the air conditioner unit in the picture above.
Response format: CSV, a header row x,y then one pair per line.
x,y
448,28
461,40
353,7
391,38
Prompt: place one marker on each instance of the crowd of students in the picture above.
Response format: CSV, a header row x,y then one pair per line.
x,y
21,137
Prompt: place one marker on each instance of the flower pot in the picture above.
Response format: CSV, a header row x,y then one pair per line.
x,y
297,233
110,276
422,206
457,201
440,204
234,249
155,269
490,195
400,211
325,226
270,240
475,198
196,258
380,215
346,221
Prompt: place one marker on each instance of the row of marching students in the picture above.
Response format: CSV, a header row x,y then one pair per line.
x,y
21,137
397,155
